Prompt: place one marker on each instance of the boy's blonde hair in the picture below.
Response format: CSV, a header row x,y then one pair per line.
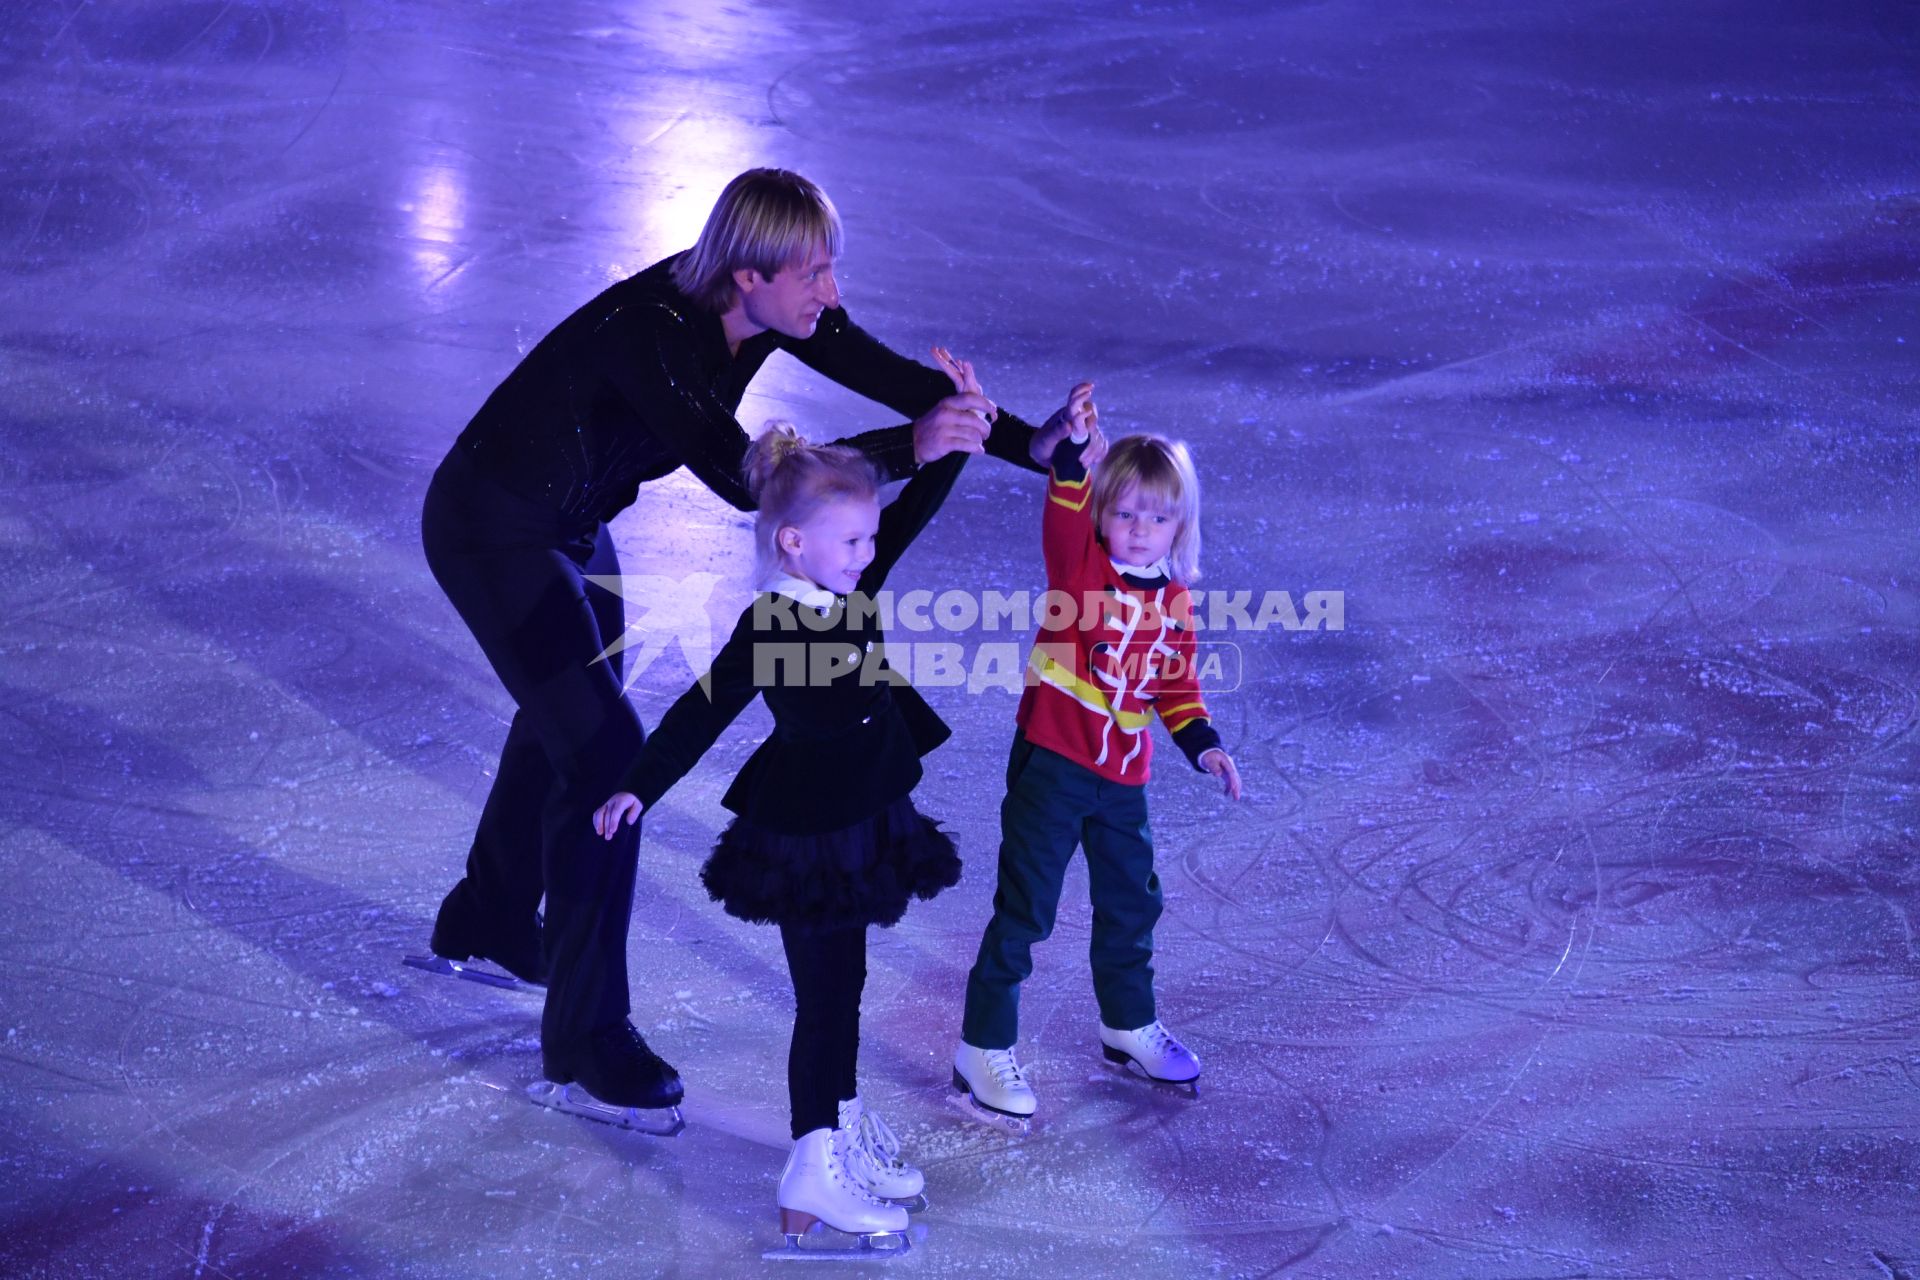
x,y
790,480
766,219
1160,469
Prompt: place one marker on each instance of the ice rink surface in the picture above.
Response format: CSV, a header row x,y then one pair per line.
x,y
1569,927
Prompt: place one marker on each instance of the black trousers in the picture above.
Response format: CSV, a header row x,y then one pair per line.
x,y
829,973
516,574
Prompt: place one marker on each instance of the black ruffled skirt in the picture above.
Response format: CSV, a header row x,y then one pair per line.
x,y
862,874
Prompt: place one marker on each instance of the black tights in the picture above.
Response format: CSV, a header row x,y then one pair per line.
x,y
829,972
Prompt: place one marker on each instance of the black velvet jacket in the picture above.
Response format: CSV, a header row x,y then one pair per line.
x,y
848,730
639,382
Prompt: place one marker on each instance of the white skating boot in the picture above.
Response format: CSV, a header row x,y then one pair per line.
x,y
995,1086
1156,1054
873,1157
816,1187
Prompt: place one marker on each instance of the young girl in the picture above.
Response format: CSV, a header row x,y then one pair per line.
x,y
1078,771
826,840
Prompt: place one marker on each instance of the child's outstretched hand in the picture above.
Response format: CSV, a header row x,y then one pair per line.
x,y
622,806
1077,420
961,371
1218,763
1082,418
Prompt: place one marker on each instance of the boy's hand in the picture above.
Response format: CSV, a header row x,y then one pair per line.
x,y
1082,417
622,806
1077,420
1218,763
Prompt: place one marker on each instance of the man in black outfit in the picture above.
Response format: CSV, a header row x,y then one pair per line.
x,y
641,381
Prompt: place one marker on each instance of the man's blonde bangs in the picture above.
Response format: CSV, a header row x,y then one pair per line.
x,y
766,220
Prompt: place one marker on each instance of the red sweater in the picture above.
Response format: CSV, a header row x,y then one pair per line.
x,y
1125,654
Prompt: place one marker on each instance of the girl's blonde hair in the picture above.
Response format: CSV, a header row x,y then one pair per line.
x,y
766,219
1161,470
790,480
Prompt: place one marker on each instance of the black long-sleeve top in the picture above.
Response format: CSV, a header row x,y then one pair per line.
x,y
639,382
842,748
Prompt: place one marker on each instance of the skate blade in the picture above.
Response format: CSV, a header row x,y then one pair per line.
x,y
1018,1126
657,1122
472,973
1127,1067
876,1246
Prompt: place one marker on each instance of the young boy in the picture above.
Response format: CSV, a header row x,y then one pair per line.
x,y
1124,543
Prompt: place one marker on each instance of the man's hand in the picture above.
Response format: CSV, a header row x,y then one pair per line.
x,y
1220,765
958,422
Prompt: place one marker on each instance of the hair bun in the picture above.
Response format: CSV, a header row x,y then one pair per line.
x,y
773,446
785,439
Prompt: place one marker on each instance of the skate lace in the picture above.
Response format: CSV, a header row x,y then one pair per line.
x,y
841,1150
876,1138
1159,1039
1004,1068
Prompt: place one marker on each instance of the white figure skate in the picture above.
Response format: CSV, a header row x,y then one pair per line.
x,y
873,1158
816,1189
997,1090
1153,1053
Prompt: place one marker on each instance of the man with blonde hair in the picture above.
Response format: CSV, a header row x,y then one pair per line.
x,y
642,380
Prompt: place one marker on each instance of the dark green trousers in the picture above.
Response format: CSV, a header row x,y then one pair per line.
x,y
1053,806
